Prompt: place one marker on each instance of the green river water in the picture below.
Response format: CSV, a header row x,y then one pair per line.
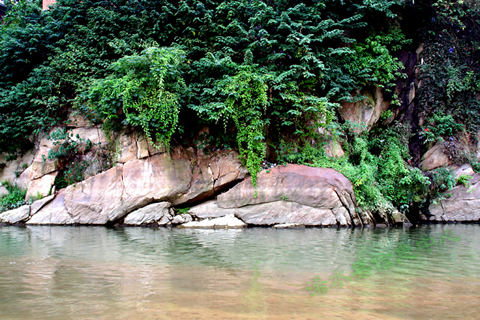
x,y
430,272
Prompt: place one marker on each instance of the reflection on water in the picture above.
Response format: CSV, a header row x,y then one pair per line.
x,y
138,273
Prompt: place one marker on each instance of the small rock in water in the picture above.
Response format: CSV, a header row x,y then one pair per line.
x,y
289,226
228,221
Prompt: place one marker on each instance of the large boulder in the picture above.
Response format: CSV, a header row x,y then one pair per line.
x,y
154,179
462,205
211,174
41,186
435,157
98,199
155,213
54,212
16,215
296,194
367,112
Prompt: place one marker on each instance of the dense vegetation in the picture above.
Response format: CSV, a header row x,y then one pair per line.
x,y
263,75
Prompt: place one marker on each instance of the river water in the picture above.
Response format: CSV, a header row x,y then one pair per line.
x,y
430,272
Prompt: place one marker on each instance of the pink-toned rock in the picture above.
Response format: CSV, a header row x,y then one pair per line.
x,y
94,134
24,179
155,213
315,187
15,167
435,157
41,186
142,147
367,112
77,120
318,188
16,215
126,148
54,212
3,191
98,199
39,204
211,174
462,205
154,179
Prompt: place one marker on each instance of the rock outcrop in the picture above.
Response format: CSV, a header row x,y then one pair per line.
x,y
294,194
463,205
156,213
133,191
15,216
367,112
435,157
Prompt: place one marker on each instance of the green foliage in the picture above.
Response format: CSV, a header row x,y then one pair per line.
x,y
465,180
443,179
147,87
441,126
32,199
376,164
182,210
73,172
303,57
450,69
15,197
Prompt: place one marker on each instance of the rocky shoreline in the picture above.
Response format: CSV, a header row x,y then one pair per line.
x,y
189,188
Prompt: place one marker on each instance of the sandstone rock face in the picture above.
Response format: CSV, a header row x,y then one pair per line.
x,y
127,148
182,176
229,221
54,212
15,167
94,134
366,112
98,199
39,204
182,218
16,215
435,157
463,205
24,178
41,186
333,149
211,174
295,194
157,178
285,212
155,213
463,170
209,209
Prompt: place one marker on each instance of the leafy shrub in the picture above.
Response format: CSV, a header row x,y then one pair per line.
x,y
465,180
143,90
15,197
